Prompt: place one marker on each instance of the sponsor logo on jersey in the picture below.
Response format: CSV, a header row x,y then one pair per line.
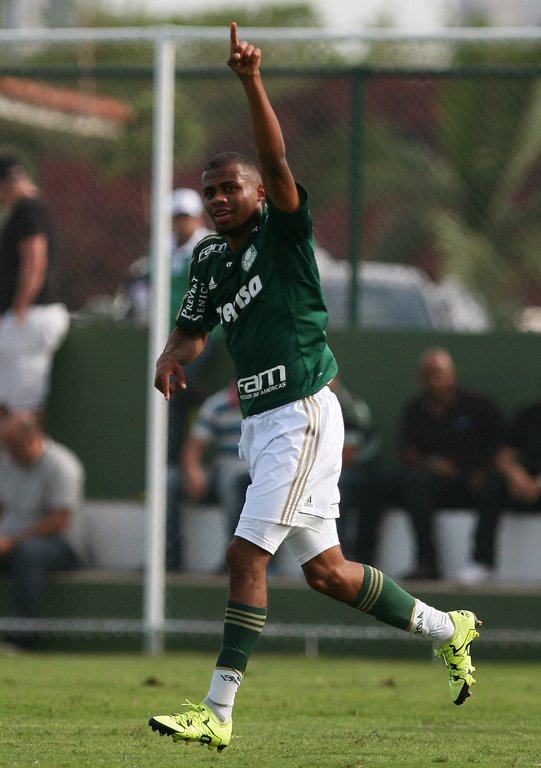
x,y
248,258
212,284
195,301
262,383
229,312
205,252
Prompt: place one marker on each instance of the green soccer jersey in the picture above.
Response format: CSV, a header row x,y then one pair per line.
x,y
268,299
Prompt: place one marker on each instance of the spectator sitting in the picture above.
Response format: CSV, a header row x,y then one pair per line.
x,y
210,467
515,485
32,323
41,487
449,437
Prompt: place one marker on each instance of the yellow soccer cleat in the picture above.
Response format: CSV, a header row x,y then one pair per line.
x,y
456,654
197,724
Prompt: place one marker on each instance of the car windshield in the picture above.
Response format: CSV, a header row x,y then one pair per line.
x,y
393,306
382,303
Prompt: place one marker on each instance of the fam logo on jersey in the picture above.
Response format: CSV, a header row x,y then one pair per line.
x,y
261,383
204,253
248,258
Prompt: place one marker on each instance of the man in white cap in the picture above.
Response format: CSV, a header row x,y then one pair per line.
x,y
188,228
188,218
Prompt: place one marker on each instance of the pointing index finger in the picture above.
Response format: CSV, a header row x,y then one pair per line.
x,y
233,35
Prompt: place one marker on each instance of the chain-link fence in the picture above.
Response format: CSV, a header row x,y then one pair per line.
x,y
419,153
421,156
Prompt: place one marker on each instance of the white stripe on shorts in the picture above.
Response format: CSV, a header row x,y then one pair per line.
x,y
306,460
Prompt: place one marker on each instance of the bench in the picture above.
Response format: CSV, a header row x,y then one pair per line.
x,y
518,544
115,535
116,531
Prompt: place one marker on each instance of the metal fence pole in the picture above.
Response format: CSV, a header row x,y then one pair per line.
x,y
162,175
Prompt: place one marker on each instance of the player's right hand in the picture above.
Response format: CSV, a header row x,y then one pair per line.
x,y
169,377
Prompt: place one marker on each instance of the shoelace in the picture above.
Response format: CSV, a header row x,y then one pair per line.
x,y
454,662
185,716
445,654
197,707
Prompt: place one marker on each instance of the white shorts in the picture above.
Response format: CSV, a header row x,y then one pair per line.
x,y
26,354
294,456
303,543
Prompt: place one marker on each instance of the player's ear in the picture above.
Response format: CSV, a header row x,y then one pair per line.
x,y
260,192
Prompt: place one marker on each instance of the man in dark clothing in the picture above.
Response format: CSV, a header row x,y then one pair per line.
x,y
515,485
32,324
449,438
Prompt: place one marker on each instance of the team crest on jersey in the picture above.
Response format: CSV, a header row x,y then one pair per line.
x,y
248,258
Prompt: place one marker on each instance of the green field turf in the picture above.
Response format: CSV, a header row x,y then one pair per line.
x,y
70,711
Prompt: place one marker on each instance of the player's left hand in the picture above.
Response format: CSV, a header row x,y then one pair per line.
x,y
244,58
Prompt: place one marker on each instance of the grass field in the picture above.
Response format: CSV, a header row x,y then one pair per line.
x,y
70,711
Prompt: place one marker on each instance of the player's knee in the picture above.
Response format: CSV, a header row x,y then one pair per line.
x,y
246,560
329,580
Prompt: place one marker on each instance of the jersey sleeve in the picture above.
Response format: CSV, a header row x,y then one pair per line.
x,y
31,219
296,225
197,312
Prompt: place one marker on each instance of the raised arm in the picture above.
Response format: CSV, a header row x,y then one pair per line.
x,y
244,60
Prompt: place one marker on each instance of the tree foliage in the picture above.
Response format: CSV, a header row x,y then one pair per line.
x,y
256,15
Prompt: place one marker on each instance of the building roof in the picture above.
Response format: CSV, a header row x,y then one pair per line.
x,y
32,102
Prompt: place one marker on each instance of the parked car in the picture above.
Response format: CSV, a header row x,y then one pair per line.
x,y
394,296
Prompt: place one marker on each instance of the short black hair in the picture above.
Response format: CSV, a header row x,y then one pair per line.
x,y
231,158
7,164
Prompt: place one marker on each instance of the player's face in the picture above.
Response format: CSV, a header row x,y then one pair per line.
x,y
233,197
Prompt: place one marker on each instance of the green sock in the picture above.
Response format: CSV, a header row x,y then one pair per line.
x,y
382,598
242,626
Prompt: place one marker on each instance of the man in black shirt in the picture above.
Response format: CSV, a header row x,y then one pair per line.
x,y
32,324
449,438
515,485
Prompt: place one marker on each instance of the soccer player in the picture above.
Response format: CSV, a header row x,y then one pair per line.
x,y
258,277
